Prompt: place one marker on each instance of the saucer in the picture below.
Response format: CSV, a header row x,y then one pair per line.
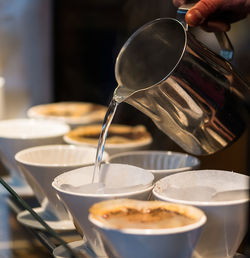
x,y
21,188
25,218
60,252
237,255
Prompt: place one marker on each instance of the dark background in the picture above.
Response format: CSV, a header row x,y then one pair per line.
x,y
87,38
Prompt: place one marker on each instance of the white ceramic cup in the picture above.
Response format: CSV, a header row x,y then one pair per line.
x,y
159,163
19,134
114,148
79,113
122,242
40,165
226,220
116,177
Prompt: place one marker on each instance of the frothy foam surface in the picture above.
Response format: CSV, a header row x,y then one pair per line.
x,y
194,193
136,214
150,219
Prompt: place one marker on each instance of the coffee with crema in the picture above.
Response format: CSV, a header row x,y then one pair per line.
x,y
133,214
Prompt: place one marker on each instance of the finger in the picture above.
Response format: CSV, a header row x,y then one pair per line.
x,y
220,21
194,18
200,12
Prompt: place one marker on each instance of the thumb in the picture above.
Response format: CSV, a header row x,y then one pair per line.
x,y
200,11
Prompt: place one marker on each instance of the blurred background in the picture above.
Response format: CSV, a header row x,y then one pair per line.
x,y
65,51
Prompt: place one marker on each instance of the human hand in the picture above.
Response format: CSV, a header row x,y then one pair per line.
x,y
215,15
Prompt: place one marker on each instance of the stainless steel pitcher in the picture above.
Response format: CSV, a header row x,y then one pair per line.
x,y
192,94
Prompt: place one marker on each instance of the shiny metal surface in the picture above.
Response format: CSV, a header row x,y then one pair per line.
x,y
191,94
226,46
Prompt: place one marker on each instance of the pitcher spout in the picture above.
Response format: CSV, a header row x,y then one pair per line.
x,y
121,93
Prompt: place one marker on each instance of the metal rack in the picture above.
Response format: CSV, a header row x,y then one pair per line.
x,y
48,237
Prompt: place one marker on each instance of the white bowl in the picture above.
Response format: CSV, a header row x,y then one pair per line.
x,y
40,165
19,134
78,113
226,220
160,163
127,239
115,176
110,147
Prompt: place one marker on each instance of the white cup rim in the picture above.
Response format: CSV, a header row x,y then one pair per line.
x,y
64,129
147,152
147,184
104,195
140,143
18,156
87,118
198,203
175,230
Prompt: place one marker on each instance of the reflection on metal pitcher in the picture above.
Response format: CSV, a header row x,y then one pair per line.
x,y
192,94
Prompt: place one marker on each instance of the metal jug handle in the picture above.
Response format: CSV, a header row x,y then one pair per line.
x,y
226,46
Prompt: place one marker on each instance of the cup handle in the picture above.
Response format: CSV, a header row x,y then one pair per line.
x,y
227,50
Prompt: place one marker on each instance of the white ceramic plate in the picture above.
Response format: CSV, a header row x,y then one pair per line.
x,y
60,252
25,218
